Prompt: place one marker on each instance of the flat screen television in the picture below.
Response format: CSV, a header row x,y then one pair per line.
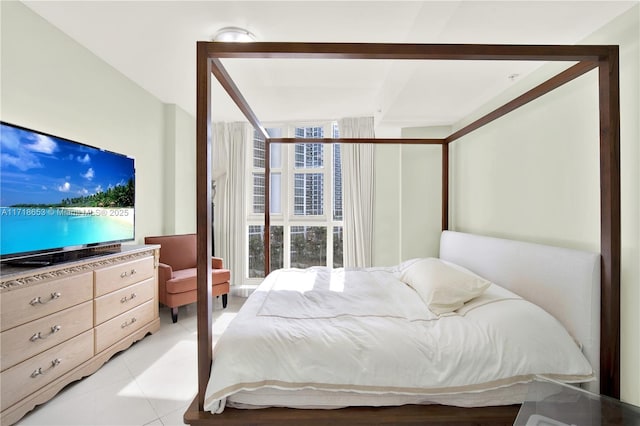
x,y
59,196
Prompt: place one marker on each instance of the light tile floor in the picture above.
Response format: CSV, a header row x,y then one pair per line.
x,y
151,383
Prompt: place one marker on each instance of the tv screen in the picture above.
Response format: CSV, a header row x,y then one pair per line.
x,y
57,194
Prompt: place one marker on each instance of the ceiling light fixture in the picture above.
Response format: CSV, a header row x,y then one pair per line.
x,y
234,34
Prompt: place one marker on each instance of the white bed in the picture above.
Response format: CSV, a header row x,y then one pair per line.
x,y
318,338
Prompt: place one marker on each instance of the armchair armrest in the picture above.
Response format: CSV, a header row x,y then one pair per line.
x,y
165,272
216,263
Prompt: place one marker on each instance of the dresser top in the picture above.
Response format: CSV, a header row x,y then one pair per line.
x,y
12,276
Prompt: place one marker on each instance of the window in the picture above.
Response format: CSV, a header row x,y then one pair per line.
x,y
305,201
256,249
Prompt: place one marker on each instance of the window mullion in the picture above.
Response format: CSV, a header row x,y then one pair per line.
x,y
328,194
286,248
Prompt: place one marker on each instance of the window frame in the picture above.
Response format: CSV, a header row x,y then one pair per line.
x,y
286,218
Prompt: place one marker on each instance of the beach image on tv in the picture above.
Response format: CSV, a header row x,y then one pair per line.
x,y
55,193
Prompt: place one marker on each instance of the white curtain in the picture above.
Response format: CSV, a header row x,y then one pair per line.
x,y
357,191
229,148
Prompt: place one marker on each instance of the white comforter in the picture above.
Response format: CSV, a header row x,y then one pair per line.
x,y
366,331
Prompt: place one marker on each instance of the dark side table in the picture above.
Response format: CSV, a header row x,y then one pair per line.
x,y
551,403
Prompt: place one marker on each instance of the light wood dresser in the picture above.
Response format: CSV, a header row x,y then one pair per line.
x,y
61,323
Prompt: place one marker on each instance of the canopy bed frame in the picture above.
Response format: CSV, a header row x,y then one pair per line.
x,y
587,58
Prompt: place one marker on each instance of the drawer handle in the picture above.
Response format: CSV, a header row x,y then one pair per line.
x,y
126,299
39,335
126,274
128,323
38,300
56,362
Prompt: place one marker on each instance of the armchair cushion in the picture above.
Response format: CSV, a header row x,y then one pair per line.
x,y
219,276
183,280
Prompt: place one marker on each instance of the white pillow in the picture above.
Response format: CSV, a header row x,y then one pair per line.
x,y
442,287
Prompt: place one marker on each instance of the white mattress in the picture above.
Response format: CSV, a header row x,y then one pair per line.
x,y
317,399
327,338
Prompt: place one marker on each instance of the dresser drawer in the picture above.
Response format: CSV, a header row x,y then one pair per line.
x,y
121,326
122,275
118,302
26,304
34,373
24,341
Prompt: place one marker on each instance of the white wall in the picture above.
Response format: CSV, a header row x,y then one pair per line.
x,y
534,175
51,83
386,208
421,191
179,174
530,175
407,216
625,31
387,199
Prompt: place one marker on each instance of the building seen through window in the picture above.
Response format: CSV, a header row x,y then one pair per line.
x,y
305,201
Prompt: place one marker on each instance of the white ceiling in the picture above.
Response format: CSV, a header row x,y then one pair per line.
x,y
154,44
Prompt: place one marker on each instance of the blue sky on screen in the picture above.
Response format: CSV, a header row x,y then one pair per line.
x,y
41,169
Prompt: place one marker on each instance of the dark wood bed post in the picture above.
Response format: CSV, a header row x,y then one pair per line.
x,y
203,219
267,207
445,185
610,243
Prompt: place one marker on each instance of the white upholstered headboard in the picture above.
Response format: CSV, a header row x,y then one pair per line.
x,y
565,282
